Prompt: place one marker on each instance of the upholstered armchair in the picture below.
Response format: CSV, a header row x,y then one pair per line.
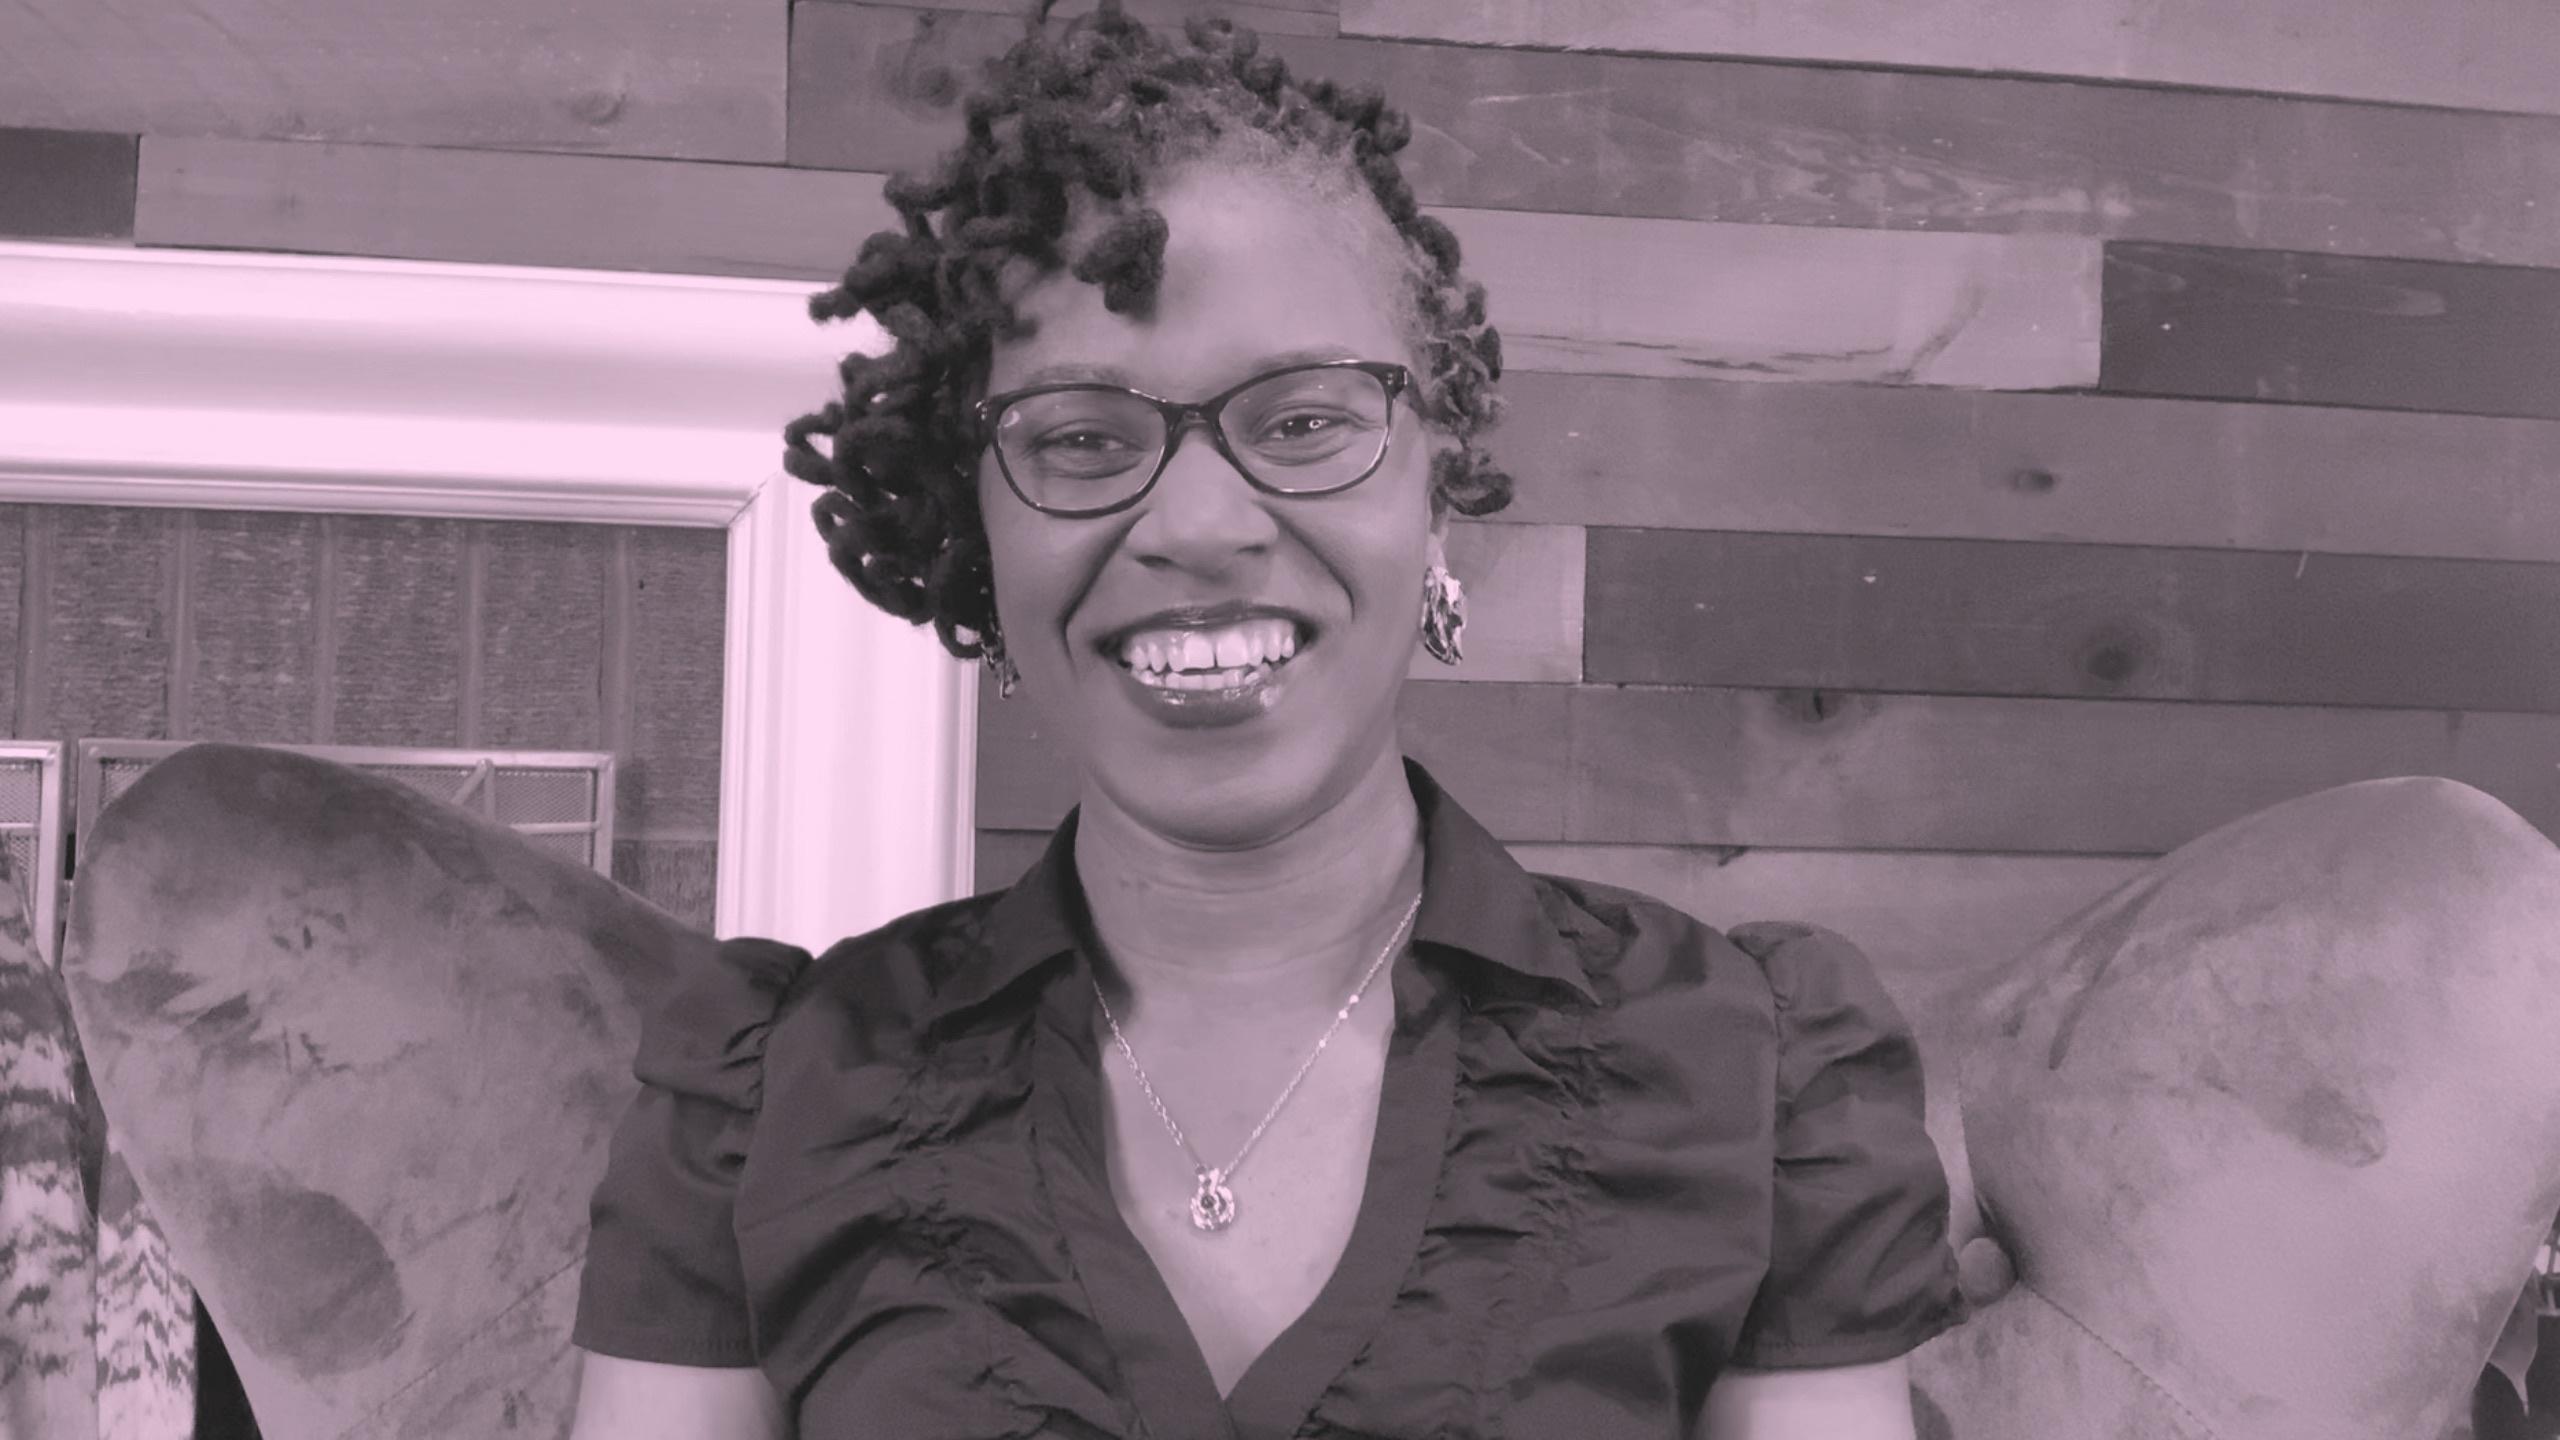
x,y
2239,1172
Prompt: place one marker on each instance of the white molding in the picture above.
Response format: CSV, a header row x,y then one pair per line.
x,y
225,381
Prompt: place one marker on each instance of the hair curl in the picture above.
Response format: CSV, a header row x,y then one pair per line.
x,y
1084,122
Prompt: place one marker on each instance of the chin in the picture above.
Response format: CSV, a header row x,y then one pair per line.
x,y
1214,805
1226,787
1213,797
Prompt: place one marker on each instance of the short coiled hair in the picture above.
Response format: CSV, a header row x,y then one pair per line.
x,y
1085,123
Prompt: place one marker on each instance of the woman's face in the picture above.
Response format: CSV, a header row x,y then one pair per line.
x,y
1255,278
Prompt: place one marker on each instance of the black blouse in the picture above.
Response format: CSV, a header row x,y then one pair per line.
x,y
1617,1152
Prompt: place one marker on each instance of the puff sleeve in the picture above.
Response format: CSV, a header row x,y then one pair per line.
x,y
1859,1265
662,1280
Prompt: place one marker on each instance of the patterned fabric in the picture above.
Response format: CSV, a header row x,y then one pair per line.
x,y
47,1239
97,1331
146,1355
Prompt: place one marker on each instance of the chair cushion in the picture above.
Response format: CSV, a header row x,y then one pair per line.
x,y
2269,1132
365,1051
2259,1171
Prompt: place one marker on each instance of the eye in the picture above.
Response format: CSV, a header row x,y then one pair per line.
x,y
1078,440
1304,425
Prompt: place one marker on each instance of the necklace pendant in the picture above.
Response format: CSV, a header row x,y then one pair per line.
x,y
1213,1205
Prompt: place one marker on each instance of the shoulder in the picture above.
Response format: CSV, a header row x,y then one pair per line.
x,y
1640,945
898,966
710,1031
1778,977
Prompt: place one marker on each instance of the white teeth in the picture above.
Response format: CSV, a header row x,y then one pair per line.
x,y
1254,642
1198,679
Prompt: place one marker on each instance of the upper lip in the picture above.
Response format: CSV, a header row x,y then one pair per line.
x,y
1183,617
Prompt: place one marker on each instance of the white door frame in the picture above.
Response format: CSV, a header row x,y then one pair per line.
x,y
243,381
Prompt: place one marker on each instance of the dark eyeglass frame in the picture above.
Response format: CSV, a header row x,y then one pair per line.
x,y
1393,378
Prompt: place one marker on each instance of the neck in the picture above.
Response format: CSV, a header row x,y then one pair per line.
x,y
1286,927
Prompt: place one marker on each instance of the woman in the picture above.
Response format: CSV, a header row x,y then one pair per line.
x,y
1275,1099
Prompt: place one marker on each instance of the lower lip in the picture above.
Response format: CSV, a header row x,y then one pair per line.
x,y
1201,708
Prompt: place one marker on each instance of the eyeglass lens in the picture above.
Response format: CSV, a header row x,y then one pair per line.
x,y
1300,430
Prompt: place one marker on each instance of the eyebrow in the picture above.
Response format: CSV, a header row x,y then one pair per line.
x,y
1067,371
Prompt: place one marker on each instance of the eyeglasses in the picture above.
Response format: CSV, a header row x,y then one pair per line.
x,y
1080,449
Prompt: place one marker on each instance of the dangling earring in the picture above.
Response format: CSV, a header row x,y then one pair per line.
x,y
991,650
1444,613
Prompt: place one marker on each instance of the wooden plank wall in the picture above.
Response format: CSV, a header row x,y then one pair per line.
x,y
1966,446
155,624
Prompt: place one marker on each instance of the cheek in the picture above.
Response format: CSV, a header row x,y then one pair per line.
x,y
1013,555
1394,552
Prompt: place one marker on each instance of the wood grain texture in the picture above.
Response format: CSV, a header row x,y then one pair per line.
x,y
1610,295
65,184
2332,330
877,88
1976,617
670,774
1268,17
1807,145
678,876
693,79
1839,771
253,624
106,625
1832,770
1585,293
1882,460
1524,587
590,211
398,618
2473,54
542,636
1935,926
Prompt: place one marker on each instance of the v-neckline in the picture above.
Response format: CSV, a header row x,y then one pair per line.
x,y
1161,1361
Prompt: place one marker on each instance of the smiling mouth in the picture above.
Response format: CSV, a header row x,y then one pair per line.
x,y
1222,657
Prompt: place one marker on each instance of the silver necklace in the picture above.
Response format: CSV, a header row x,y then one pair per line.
x,y
1213,1205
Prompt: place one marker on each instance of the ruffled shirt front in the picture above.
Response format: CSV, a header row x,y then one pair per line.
x,y
1617,1152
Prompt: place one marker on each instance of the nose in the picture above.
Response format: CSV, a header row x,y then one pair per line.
x,y
1203,514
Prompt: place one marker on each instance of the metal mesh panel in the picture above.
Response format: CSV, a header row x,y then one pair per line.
x,y
22,811
115,776
581,848
21,791
538,795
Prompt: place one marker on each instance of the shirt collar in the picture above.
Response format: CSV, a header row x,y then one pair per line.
x,y
1476,899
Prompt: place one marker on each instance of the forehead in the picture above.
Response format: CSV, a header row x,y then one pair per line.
x,y
1255,275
